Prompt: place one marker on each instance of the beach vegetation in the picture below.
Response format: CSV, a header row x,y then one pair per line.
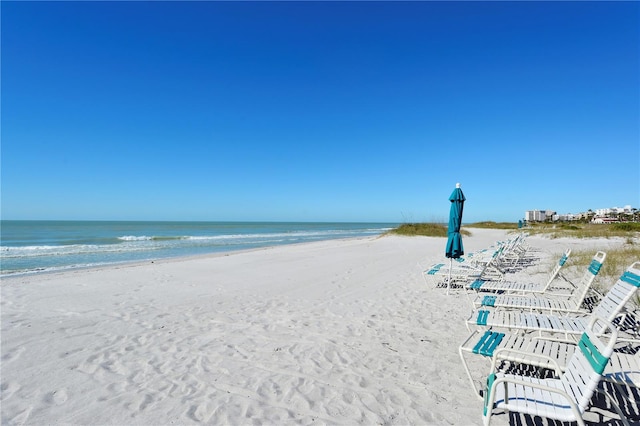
x,y
628,230
617,261
626,226
424,229
493,225
440,229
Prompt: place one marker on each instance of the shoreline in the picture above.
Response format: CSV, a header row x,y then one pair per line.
x,y
56,246
176,258
328,332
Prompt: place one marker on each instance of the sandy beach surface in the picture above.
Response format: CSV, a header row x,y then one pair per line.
x,y
340,332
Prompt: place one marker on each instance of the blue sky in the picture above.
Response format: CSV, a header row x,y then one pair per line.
x,y
318,111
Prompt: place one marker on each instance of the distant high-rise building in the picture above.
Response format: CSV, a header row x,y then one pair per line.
x,y
535,215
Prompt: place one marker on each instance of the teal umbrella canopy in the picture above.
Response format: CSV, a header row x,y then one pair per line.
x,y
454,242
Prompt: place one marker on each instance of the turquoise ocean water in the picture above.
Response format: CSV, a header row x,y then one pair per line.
x,y
41,246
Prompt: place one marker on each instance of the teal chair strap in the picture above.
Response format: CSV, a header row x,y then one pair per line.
x,y
489,301
488,343
596,359
477,284
435,269
631,278
594,267
563,259
490,380
482,317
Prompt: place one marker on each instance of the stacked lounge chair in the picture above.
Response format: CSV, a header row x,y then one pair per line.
x,y
549,344
549,301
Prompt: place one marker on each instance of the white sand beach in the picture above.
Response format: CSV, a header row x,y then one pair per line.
x,y
337,332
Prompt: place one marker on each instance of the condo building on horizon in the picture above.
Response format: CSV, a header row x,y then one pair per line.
x,y
606,215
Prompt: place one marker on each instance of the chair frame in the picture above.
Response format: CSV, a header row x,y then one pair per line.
x,y
609,307
512,287
622,369
550,301
583,373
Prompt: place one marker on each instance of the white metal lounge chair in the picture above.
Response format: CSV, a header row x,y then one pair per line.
x,y
483,265
608,307
514,254
622,369
550,301
515,251
462,272
565,398
521,287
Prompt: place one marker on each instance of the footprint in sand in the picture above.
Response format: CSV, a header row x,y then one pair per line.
x,y
21,417
13,354
91,364
115,367
8,389
201,412
118,387
57,397
137,403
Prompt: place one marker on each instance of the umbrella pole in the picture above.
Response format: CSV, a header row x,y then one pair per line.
x,y
450,268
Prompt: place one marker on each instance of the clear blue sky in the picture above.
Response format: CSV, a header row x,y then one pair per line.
x,y
318,111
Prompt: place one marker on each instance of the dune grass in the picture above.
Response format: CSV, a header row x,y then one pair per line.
x,y
440,229
630,230
493,225
585,230
617,261
424,229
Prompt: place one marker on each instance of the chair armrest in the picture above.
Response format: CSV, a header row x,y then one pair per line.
x,y
490,398
524,357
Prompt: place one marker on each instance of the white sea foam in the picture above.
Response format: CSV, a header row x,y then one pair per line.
x,y
60,268
135,238
33,251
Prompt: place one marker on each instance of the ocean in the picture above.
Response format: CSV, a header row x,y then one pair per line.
x,y
42,246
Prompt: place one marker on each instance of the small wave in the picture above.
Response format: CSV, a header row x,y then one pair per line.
x,y
61,268
150,238
68,250
27,249
135,238
168,238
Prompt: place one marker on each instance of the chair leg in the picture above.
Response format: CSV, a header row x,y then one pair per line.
x,y
466,366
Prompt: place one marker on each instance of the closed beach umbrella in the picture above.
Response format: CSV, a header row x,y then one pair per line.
x,y
454,241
